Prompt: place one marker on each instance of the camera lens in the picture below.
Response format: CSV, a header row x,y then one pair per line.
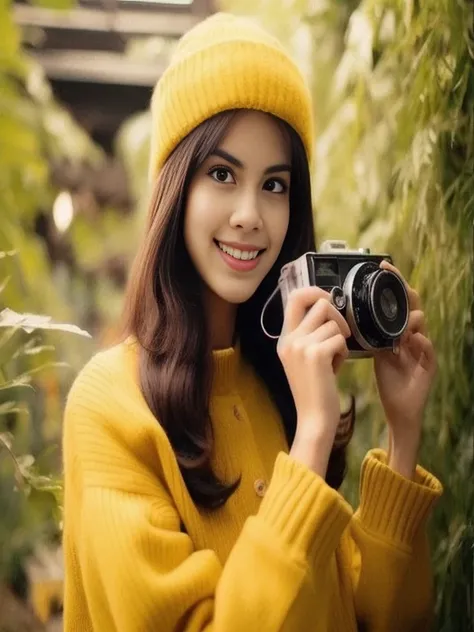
x,y
388,302
377,305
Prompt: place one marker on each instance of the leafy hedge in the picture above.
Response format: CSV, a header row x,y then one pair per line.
x,y
34,132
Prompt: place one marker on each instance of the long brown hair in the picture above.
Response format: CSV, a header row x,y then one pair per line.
x,y
164,311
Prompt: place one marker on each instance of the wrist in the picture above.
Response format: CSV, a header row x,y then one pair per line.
x,y
312,448
403,455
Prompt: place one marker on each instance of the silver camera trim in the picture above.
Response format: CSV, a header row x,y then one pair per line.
x,y
336,246
294,275
347,289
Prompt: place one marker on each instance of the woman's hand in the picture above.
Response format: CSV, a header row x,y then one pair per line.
x,y
403,381
312,348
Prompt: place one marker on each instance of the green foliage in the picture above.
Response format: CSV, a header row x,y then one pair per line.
x,y
29,497
34,133
393,84
133,147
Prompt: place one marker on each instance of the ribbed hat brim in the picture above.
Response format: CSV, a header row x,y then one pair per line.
x,y
229,75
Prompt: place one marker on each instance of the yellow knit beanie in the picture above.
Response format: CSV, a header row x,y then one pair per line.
x,y
224,63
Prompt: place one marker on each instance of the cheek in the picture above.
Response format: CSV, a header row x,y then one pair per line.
x,y
278,227
196,218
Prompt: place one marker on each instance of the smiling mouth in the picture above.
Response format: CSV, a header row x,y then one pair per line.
x,y
239,255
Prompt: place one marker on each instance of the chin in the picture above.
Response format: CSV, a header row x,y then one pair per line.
x,y
237,296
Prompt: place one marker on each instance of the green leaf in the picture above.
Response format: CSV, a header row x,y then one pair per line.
x,y
4,284
31,322
34,351
10,253
9,34
10,407
54,4
19,382
6,439
25,462
44,367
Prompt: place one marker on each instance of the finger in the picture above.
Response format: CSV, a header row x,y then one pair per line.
x,y
338,362
333,350
414,300
319,313
413,297
327,330
299,301
386,265
425,350
341,355
416,323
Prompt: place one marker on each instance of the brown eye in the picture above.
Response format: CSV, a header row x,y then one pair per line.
x,y
221,174
275,186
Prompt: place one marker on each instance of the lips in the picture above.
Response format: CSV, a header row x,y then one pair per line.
x,y
241,252
239,265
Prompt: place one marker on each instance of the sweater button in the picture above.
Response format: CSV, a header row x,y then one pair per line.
x,y
237,414
260,487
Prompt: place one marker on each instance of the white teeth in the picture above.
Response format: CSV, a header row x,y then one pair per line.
x,y
244,255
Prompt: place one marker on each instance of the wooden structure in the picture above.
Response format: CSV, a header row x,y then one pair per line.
x,y
84,54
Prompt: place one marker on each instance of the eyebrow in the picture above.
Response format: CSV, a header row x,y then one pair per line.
x,y
238,163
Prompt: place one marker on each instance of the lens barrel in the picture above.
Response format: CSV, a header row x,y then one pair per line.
x,y
388,302
377,305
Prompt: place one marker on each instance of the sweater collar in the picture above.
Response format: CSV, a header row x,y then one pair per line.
x,y
226,369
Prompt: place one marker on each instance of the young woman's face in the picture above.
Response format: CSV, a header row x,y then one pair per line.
x,y
237,211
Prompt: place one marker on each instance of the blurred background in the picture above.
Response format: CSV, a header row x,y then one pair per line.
x,y
393,86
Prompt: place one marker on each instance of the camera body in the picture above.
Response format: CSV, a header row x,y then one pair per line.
x,y
373,301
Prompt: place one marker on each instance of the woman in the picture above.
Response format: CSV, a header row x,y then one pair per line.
x,y
202,461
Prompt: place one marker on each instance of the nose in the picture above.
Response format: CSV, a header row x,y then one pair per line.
x,y
246,213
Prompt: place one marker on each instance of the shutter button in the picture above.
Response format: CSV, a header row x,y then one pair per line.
x,y
260,487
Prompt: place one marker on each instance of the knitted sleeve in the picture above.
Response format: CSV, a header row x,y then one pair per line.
x,y
391,572
137,572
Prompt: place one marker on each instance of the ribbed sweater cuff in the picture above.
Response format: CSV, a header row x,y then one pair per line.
x,y
299,504
391,506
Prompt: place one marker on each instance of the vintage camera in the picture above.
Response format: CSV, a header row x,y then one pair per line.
x,y
373,301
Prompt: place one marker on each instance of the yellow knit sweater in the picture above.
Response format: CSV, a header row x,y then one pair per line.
x,y
285,553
